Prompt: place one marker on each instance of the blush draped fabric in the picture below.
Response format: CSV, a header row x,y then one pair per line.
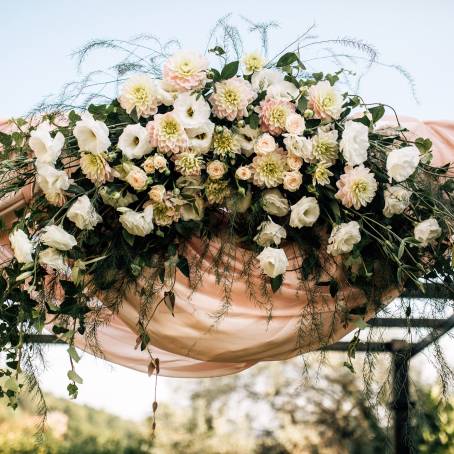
x,y
195,343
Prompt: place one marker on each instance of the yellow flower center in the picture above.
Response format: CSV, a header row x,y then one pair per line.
x,y
359,187
170,127
327,101
231,97
223,142
140,95
278,115
253,63
185,68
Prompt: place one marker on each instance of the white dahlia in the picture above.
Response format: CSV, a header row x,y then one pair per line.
x,y
261,80
189,163
325,101
167,133
269,169
324,145
231,98
252,62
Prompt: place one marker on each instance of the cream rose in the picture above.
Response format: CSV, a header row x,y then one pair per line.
x,y
427,231
265,144
295,124
58,238
157,193
21,246
83,214
294,162
273,261
355,143
160,162
273,202
270,233
216,169
243,173
148,165
292,180
137,178
304,213
343,237
397,200
137,223
401,163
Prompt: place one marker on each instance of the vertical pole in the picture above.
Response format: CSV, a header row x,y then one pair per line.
x,y
401,397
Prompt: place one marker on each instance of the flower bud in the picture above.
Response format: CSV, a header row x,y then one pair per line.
x,y
308,113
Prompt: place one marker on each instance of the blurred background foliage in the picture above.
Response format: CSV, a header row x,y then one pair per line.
x,y
270,410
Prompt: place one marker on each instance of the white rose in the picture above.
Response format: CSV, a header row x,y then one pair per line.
x,y
270,233
397,200
305,212
134,142
343,237
192,110
401,163
92,135
292,181
284,90
46,148
273,202
216,169
261,80
295,124
52,181
265,144
273,261
51,257
427,231
355,143
21,245
137,223
83,214
58,238
137,178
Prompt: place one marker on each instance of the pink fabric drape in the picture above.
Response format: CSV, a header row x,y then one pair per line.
x,y
194,344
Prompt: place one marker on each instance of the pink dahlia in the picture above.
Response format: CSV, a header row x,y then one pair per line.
x,y
186,71
357,187
273,115
167,134
231,98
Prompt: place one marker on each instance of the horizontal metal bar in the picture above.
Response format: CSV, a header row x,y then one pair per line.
x,y
43,339
431,291
388,322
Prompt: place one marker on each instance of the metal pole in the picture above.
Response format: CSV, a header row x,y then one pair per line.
x,y
401,400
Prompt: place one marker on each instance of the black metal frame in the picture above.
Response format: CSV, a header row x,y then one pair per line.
x,y
402,352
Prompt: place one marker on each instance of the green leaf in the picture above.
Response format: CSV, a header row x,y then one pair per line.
x,y
72,390
287,59
73,117
75,377
183,266
254,120
128,237
377,112
73,353
276,282
169,301
230,70
424,145
302,104
217,50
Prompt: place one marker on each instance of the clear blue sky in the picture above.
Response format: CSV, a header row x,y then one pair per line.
x,y
38,37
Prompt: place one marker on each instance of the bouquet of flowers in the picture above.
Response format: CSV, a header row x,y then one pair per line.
x,y
260,154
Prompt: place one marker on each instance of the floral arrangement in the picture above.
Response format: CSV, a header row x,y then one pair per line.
x,y
259,153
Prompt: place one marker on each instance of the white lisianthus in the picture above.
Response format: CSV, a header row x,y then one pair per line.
x,y
282,90
252,63
92,135
355,143
265,144
304,213
83,214
52,258
401,163
246,138
274,203
261,80
295,124
273,261
200,138
137,223
269,233
134,142
192,110
427,231
21,245
46,148
52,182
397,200
343,237
58,238
325,101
